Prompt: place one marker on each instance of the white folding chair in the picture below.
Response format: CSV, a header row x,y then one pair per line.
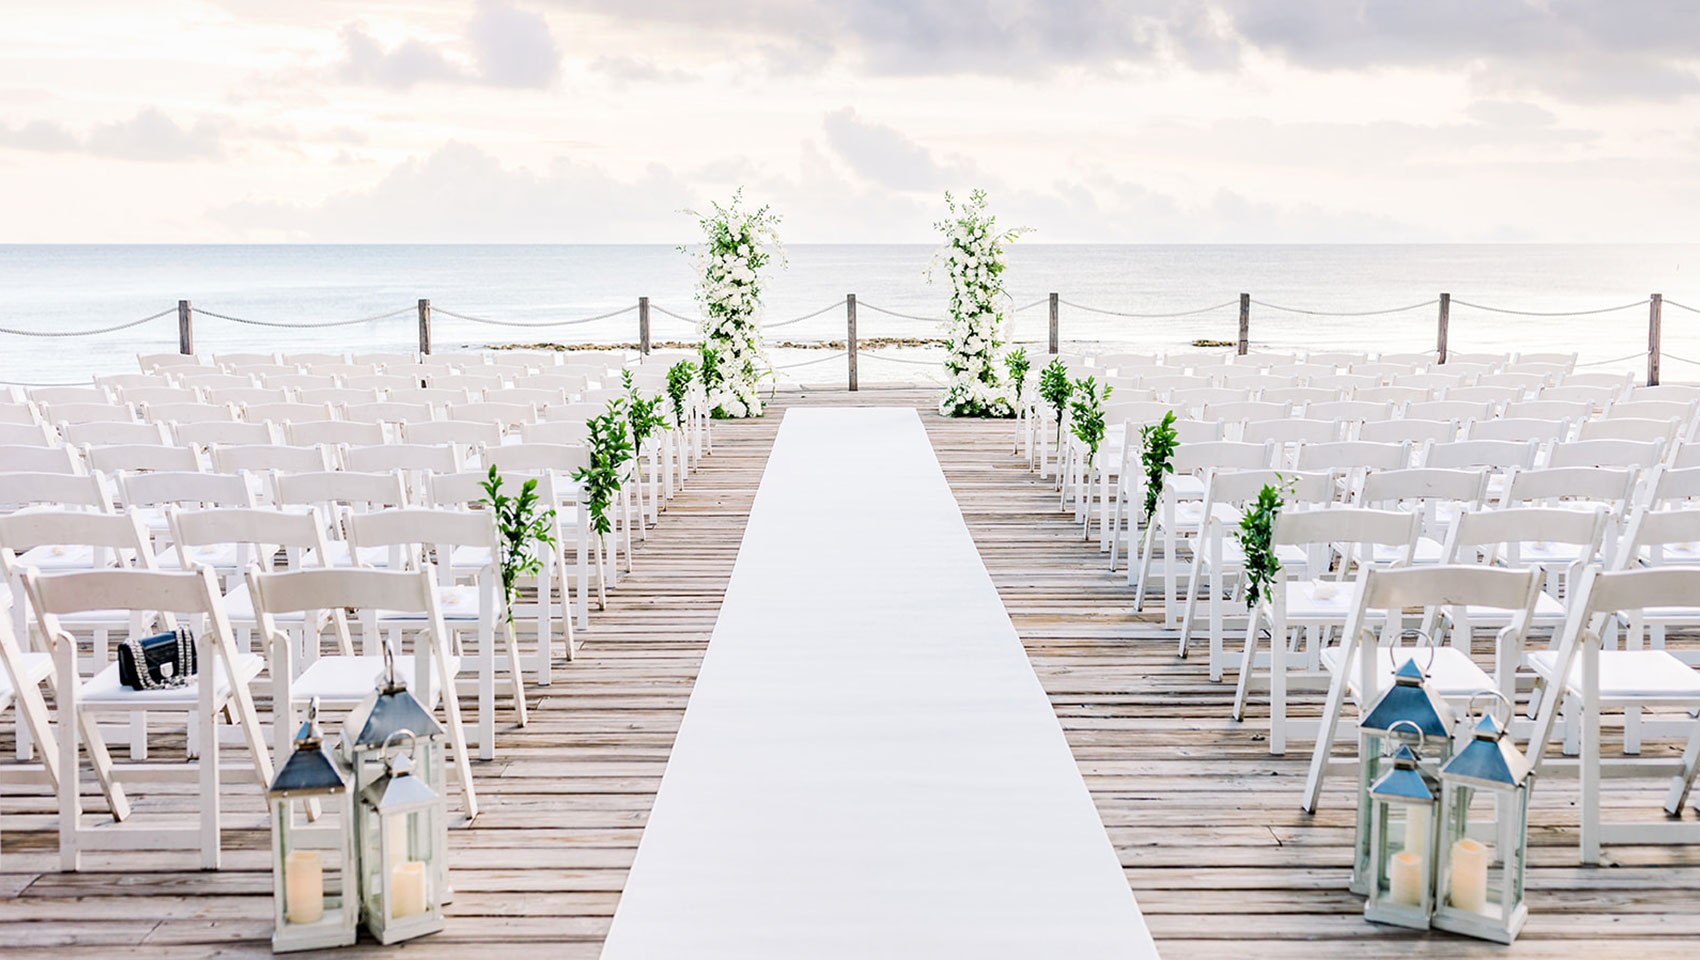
x,y
1307,599
219,688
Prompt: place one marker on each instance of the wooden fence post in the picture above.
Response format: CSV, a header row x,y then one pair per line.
x,y
850,335
1445,328
185,328
1245,323
1053,323
643,325
425,327
1655,330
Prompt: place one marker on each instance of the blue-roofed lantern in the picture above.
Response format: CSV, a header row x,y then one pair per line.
x,y
315,900
1403,804
1412,705
1479,887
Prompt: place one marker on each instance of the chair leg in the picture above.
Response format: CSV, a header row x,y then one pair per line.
x,y
1683,784
1278,646
1189,608
457,733
1325,735
486,692
1242,688
514,675
1590,717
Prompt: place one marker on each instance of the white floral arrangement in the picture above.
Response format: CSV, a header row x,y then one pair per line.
x,y
738,243
973,256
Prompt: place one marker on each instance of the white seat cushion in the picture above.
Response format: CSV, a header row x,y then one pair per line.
x,y
466,557
219,556
1548,610
340,679
1452,672
1324,600
59,556
337,551
103,688
459,602
35,668
1628,674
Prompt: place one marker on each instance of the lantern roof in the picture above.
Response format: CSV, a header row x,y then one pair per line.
x,y
310,769
1405,783
398,790
390,707
1409,698
1489,760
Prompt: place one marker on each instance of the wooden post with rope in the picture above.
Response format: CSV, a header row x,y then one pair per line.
x,y
425,327
1445,328
643,325
1655,332
1245,323
1054,323
850,336
185,328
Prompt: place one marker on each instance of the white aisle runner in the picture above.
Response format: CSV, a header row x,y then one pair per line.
x,y
868,767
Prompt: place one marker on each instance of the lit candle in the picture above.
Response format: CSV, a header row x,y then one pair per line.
x,y
304,886
407,888
1406,878
1468,889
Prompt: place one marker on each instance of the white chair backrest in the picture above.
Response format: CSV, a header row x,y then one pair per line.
x,y
561,431
1293,431
67,395
536,458
1490,454
1500,536
36,458
249,528
189,412
467,433
337,396
1549,410
332,489
389,411
1349,410
82,413
28,435
115,536
333,432
414,457
1406,430
114,434
1607,453
54,489
286,412
1354,455
1519,430
506,414
1422,486
228,433
198,489
261,459
1670,485
1627,428
148,458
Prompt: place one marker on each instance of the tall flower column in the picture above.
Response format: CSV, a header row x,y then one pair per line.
x,y
737,244
973,255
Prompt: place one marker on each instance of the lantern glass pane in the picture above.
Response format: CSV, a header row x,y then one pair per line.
x,y
1476,872
1405,831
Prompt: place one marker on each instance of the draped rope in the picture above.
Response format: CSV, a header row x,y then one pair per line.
x,y
924,363
1551,313
1672,356
805,363
542,323
894,313
1146,316
806,316
1349,313
82,333
1680,306
657,308
1029,306
303,326
28,383
1601,363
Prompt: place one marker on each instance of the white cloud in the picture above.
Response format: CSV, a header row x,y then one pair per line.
x,y
513,48
506,47
150,136
882,154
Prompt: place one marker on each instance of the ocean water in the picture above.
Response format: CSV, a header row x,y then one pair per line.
x,y
69,288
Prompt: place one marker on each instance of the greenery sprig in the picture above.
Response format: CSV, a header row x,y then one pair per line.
x,y
610,448
1256,534
1055,388
1088,409
708,371
523,530
1157,456
1017,363
679,377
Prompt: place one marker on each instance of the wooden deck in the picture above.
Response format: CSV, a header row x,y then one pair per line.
x,y
1207,823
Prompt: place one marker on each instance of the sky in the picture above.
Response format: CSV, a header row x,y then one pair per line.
x,y
1215,121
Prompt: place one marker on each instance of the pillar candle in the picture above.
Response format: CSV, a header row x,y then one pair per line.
x,y
1416,834
1406,875
407,888
304,886
1468,887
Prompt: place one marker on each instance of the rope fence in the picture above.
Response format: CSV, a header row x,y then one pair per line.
x,y
849,304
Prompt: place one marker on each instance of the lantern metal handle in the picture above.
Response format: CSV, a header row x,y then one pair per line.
x,y
1421,635
1422,738
1510,708
412,745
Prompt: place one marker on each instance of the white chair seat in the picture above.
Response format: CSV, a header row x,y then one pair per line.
x,y
1671,616
153,518
1452,672
1548,610
459,602
104,688
239,608
1628,674
56,557
337,551
1185,486
468,557
1318,599
219,556
35,668
1429,550
349,679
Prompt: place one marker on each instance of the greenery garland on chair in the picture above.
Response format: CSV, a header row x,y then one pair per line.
x,y
1055,388
610,448
1157,456
522,529
1017,363
679,377
1256,535
1087,406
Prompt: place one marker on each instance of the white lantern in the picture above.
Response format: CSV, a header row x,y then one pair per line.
x,y
399,850
1403,807
1479,886
315,903
388,709
1410,711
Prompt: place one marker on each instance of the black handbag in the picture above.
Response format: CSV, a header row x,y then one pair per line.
x,y
160,662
